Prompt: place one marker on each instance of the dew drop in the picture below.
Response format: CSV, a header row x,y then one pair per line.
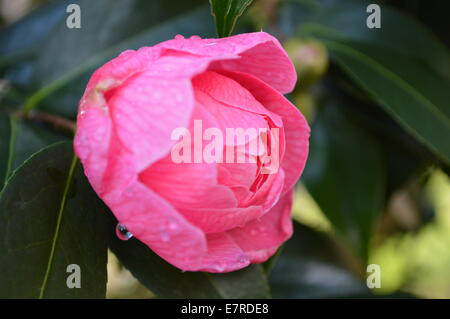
x,y
122,232
165,237
242,259
126,52
82,113
172,224
179,37
220,267
195,37
253,232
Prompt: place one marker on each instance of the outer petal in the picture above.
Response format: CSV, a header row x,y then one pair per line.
x,y
223,255
156,223
260,239
149,217
146,109
256,53
91,144
296,128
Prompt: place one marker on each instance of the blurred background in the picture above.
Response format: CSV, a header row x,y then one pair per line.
x,y
376,187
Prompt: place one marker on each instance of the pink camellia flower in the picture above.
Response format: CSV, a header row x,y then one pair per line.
x,y
199,215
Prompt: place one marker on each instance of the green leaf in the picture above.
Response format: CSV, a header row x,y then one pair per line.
x,y
312,265
26,34
413,94
49,219
346,21
226,13
167,281
6,139
21,41
19,139
69,56
402,66
345,175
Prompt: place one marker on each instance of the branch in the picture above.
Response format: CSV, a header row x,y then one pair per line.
x,y
55,120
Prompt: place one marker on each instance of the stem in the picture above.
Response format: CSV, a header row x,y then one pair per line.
x,y
55,120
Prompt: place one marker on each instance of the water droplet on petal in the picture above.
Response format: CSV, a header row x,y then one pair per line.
x,y
253,232
262,228
172,224
195,37
220,267
122,232
165,236
242,259
82,113
179,37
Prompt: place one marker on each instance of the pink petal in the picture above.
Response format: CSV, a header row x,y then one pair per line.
x,y
91,143
215,220
237,174
257,53
145,112
223,255
259,239
229,117
229,92
296,128
188,185
157,224
269,192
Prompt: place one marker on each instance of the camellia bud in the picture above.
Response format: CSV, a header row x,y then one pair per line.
x,y
306,103
310,58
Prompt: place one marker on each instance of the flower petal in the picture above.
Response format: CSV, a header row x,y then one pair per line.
x,y
259,239
256,53
188,185
146,110
223,255
296,128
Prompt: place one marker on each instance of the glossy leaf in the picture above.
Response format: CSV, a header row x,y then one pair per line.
x,y
167,281
311,265
49,219
402,66
21,41
29,31
345,175
19,139
62,69
400,33
413,94
226,13
5,142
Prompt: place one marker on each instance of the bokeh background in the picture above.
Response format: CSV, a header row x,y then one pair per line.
x,y
376,187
